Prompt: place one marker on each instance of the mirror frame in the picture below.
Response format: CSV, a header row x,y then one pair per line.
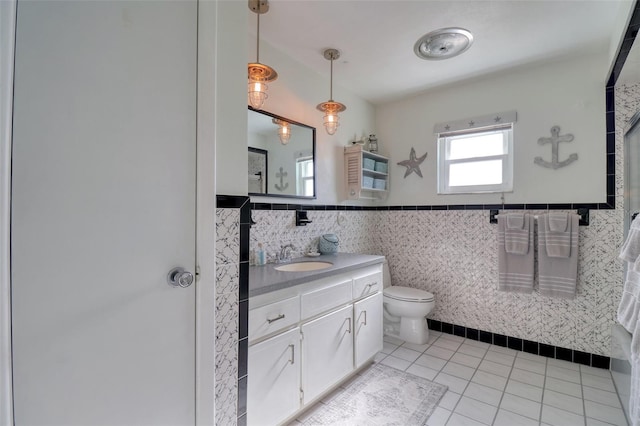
x,y
313,151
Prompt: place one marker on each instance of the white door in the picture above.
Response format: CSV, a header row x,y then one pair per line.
x,y
103,207
327,351
367,314
274,379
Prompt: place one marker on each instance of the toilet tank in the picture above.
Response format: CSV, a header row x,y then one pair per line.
x,y
386,275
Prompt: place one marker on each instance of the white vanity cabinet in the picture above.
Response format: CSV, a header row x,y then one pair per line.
x,y
306,339
367,314
327,351
275,364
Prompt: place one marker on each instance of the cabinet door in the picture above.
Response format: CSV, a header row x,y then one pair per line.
x,y
368,328
327,351
273,392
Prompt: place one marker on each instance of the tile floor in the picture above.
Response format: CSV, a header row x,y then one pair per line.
x,y
492,385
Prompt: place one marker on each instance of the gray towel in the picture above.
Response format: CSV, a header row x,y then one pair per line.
x,y
558,230
558,275
515,270
558,221
516,233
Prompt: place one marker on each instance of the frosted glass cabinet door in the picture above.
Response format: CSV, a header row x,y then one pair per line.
x,y
327,351
273,392
368,328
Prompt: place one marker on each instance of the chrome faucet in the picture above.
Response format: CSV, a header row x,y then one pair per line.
x,y
285,253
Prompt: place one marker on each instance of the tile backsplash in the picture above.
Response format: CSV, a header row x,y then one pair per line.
x,y
453,254
276,228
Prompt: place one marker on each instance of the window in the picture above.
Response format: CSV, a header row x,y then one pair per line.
x,y
476,160
304,176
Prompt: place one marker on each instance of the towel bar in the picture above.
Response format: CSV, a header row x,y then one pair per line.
x,y
584,216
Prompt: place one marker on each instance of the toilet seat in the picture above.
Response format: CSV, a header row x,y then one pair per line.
x,y
408,294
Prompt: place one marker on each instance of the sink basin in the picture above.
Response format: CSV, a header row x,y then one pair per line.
x,y
303,266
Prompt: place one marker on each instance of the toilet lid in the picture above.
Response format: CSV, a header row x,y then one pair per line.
x,y
408,294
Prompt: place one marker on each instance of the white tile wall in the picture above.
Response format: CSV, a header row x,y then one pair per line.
x,y
226,338
453,254
275,228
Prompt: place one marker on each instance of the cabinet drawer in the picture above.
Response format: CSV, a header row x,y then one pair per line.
x,y
325,299
367,284
273,317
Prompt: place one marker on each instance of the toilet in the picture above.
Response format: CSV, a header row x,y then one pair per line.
x,y
405,311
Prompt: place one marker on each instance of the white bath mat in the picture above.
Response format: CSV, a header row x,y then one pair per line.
x,y
380,396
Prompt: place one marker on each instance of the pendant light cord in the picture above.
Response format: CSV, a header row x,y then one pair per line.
x,y
331,81
258,37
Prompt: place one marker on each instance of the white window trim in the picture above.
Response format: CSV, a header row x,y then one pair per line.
x,y
507,163
302,179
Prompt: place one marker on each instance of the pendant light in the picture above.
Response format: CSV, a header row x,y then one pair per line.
x,y
259,74
284,130
331,108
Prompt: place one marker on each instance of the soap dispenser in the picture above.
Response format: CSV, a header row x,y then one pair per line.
x,y
261,255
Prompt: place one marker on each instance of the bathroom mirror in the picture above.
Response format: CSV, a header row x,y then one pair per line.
x,y
281,156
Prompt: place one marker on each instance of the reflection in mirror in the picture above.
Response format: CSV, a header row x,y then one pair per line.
x,y
258,160
281,156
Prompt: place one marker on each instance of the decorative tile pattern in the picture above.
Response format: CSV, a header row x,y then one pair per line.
x,y
226,397
227,236
276,228
227,314
454,256
227,279
226,322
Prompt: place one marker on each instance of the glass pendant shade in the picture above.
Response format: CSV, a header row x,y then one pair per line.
x,y
331,108
284,131
331,118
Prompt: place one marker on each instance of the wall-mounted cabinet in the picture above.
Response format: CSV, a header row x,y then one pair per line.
x,y
366,174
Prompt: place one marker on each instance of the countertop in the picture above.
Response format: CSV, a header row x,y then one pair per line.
x,y
265,279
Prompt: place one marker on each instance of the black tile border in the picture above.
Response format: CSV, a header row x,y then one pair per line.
x,y
522,345
243,351
242,396
243,308
628,39
625,47
231,201
330,207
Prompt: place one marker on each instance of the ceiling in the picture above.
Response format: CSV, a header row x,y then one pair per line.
x,y
376,38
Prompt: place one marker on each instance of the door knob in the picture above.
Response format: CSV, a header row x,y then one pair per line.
x,y
178,277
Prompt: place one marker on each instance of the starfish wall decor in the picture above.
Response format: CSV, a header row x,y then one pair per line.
x,y
413,163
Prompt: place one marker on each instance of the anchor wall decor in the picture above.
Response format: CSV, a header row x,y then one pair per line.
x,y
555,140
281,175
